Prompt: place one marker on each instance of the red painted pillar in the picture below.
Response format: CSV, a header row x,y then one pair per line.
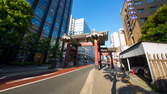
x,y
75,55
99,56
96,52
112,61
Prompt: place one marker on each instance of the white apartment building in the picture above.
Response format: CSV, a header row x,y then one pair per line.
x,y
78,26
118,42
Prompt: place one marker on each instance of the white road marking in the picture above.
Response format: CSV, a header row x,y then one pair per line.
x,y
3,77
47,74
88,86
42,79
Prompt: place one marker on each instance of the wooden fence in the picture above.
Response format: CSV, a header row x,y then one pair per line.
x,y
158,63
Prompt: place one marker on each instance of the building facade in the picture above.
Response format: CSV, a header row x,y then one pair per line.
x,y
118,42
134,14
51,18
78,26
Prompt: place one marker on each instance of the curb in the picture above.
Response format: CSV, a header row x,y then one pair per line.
x,y
17,76
22,82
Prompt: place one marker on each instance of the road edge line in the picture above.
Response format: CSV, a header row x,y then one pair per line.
x,y
88,86
44,78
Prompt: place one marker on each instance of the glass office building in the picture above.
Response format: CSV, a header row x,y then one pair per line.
x,y
51,18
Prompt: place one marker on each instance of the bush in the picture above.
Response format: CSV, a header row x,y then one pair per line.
x,y
24,63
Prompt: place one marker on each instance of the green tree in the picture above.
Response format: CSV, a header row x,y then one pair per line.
x,y
27,46
15,19
54,55
155,28
43,45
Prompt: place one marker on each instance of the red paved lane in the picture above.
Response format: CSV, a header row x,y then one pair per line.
x,y
11,84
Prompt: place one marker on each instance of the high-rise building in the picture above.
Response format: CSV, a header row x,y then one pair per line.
x,y
118,43
117,40
78,26
134,14
51,18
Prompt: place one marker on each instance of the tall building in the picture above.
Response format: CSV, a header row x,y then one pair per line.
x,y
117,40
134,14
78,26
51,18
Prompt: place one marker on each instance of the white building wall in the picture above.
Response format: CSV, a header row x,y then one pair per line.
x,y
118,40
78,26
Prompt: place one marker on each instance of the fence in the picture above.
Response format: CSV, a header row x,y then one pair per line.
x,y
158,63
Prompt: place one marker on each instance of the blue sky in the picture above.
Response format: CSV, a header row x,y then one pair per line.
x,y
99,14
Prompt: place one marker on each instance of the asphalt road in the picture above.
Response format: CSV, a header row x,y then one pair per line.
x,y
70,83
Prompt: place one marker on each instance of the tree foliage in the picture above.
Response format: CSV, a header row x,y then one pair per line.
x,y
15,18
155,29
55,51
43,45
30,45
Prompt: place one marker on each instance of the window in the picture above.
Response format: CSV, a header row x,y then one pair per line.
x,y
131,12
138,2
30,1
55,31
142,20
140,10
43,2
131,8
130,4
154,8
39,12
49,19
47,28
54,35
36,22
150,1
133,17
57,25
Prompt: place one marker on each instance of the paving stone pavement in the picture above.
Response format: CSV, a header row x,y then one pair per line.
x,y
116,82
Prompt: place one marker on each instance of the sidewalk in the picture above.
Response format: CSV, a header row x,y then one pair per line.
x,y
114,82
13,69
8,73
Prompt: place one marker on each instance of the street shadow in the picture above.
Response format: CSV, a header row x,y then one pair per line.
x,y
114,77
160,86
132,89
107,70
123,77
